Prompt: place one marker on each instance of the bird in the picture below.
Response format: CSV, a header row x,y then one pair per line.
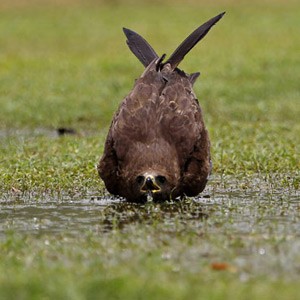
x,y
157,147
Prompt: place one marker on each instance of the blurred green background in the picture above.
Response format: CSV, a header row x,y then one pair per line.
x,y
66,64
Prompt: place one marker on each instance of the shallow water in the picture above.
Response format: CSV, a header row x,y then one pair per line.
x,y
52,215
241,209
248,222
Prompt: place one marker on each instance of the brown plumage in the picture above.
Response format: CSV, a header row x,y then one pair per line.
x,y
157,143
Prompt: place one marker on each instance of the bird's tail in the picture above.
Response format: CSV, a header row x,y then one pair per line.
x,y
191,41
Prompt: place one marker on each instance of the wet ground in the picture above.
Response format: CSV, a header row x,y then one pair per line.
x,y
240,204
248,222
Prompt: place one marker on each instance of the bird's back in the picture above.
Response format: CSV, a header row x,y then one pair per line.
x,y
162,106
157,142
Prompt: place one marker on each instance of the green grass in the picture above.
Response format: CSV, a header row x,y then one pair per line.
x,y
67,65
47,267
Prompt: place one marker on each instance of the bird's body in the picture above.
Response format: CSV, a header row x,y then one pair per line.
x,y
157,143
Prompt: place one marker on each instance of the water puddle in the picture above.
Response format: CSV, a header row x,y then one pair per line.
x,y
52,215
250,223
223,204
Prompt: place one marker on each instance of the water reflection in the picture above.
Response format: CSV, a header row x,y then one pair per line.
x,y
235,208
252,224
52,215
92,213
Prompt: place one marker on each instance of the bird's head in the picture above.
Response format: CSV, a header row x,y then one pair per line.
x,y
155,184
150,172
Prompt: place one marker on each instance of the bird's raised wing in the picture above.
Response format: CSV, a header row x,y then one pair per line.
x,y
140,47
146,54
188,44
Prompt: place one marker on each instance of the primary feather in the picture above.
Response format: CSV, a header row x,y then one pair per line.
x,y
140,47
157,143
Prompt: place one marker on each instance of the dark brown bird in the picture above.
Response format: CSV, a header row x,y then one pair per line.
x,y
157,144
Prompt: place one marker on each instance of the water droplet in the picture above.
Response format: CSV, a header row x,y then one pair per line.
x,y
262,251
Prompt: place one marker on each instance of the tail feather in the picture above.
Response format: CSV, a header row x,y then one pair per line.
x,y
191,41
140,47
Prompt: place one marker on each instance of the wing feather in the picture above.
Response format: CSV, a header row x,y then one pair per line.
x,y
140,47
188,44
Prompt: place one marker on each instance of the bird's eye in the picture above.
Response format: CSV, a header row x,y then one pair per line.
x,y
160,179
140,179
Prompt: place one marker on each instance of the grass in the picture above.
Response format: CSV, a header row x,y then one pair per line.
x,y
66,64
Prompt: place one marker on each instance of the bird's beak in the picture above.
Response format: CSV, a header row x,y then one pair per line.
x,y
150,185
